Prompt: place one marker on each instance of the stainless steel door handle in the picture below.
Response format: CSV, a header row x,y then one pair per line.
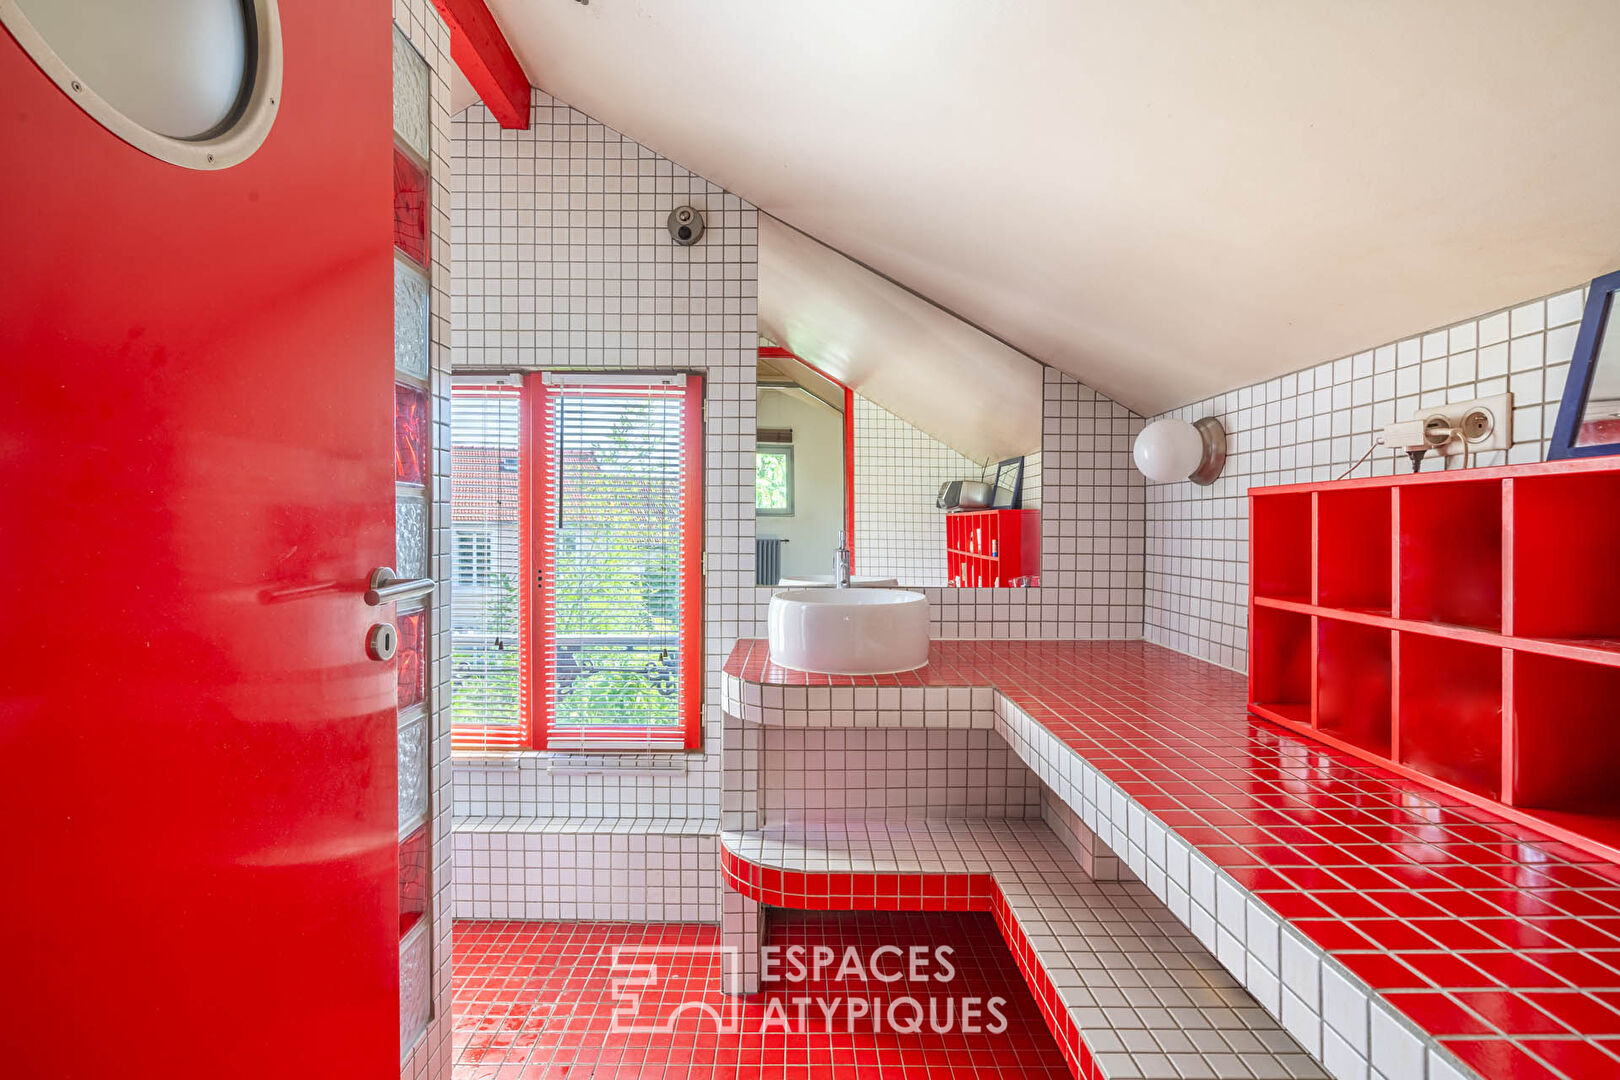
x,y
385,588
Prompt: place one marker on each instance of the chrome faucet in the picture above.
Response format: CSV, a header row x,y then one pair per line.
x,y
841,562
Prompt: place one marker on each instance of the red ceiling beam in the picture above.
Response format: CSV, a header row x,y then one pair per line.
x,y
480,50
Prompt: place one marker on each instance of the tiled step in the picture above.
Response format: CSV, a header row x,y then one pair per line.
x,y
1126,989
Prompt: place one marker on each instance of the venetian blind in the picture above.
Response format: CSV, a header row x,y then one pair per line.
x,y
616,552
487,647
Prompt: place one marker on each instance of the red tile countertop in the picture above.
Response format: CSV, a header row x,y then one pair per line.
x,y
1501,943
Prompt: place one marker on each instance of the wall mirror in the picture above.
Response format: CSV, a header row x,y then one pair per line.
x,y
1589,415
916,512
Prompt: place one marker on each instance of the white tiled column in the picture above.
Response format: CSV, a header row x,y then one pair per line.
x,y
741,920
742,926
739,758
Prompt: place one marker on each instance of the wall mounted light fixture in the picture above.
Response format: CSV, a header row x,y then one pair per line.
x,y
1169,450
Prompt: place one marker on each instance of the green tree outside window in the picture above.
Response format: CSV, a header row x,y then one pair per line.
x,y
773,480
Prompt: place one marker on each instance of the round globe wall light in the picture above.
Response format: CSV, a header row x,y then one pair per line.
x,y
191,82
1169,450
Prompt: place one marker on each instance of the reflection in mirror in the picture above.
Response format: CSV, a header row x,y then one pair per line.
x,y
1007,490
920,513
798,474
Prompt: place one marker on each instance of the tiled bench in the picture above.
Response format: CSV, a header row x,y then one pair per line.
x,y
1395,932
643,869
1126,989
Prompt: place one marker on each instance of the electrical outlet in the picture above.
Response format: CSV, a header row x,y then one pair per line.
x,y
1487,423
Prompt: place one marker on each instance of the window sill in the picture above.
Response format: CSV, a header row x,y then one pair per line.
x,y
590,825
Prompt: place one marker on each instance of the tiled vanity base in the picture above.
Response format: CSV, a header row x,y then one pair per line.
x,y
1126,990
1394,932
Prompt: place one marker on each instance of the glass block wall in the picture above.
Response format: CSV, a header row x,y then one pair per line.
x,y
422,946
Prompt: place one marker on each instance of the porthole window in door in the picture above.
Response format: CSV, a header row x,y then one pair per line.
x,y
193,82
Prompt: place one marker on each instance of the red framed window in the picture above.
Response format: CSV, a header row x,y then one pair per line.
x,y
576,546
489,532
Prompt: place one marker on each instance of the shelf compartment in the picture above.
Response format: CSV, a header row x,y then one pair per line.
x,y
1354,680
1566,744
1280,664
1354,549
1566,556
1451,553
992,548
1280,545
1449,719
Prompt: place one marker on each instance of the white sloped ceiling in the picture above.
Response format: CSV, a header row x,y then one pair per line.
x,y
1164,198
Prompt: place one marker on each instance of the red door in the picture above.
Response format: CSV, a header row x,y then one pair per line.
x,y
198,785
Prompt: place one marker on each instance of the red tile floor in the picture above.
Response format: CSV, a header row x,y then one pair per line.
x,y
561,1000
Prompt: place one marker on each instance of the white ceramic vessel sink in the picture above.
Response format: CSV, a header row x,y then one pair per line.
x,y
849,631
825,581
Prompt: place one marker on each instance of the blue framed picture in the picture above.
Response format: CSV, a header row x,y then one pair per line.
x,y
1589,416
1009,490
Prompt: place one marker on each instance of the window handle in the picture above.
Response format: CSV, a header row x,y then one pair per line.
x,y
385,588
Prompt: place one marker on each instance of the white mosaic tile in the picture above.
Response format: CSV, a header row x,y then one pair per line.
x,y
1310,425
898,470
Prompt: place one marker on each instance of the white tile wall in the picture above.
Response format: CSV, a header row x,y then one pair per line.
x,y
817,774
1311,425
898,470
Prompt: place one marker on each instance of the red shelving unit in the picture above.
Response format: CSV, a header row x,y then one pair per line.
x,y
1459,628
992,548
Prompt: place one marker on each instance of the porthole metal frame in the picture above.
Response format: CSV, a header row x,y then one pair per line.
x,y
237,138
